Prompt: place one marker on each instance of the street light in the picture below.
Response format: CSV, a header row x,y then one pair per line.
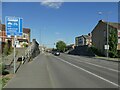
x,y
106,33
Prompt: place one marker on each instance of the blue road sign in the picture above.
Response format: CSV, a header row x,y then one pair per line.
x,y
13,26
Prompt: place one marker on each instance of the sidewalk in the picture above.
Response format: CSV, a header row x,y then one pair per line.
x,y
32,75
108,59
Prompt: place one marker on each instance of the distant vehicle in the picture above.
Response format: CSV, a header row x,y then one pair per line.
x,y
56,53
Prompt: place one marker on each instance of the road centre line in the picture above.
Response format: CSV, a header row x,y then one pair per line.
x,y
97,65
89,72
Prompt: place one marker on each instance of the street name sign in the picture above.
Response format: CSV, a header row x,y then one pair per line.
x,y
13,26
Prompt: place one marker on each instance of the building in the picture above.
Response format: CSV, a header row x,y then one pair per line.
x,y
99,35
24,39
71,46
21,40
83,40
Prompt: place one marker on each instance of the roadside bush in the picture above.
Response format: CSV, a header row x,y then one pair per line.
x,y
7,49
5,72
25,45
111,54
118,53
96,51
4,81
2,69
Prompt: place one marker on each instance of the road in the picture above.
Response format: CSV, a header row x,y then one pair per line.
x,y
66,71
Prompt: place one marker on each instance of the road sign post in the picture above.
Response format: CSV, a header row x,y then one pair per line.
x,y
107,48
14,28
14,54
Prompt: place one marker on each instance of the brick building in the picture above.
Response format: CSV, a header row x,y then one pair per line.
x,y
21,40
99,35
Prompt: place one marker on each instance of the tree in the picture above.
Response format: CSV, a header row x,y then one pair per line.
x,y
61,46
113,40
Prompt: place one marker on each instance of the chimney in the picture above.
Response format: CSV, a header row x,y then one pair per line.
x,y
101,20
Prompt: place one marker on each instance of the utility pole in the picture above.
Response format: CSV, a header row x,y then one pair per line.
x,y
107,34
107,38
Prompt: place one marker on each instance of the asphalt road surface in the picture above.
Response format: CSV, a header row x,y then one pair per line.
x,y
66,71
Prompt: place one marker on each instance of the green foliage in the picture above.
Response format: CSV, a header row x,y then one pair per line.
x,y
4,81
61,46
119,54
96,51
25,45
5,72
2,69
113,41
7,49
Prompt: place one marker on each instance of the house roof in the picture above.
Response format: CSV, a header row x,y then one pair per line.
x,y
113,24
116,25
85,36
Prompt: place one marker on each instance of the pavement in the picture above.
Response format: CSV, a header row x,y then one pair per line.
x,y
108,59
65,71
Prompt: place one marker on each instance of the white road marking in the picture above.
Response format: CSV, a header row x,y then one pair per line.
x,y
97,65
89,72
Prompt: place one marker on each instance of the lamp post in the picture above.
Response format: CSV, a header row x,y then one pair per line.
x,y
107,33
107,38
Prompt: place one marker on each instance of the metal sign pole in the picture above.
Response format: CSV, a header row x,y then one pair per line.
x,y
14,28
107,37
14,54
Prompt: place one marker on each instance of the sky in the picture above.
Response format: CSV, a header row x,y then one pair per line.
x,y
51,22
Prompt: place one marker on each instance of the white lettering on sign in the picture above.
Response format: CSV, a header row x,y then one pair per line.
x,y
13,19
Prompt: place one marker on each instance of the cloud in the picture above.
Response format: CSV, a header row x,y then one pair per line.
x,y
52,3
60,39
